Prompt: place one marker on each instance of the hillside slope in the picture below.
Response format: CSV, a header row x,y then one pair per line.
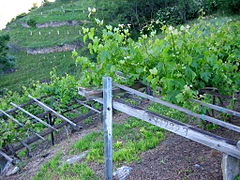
x,y
50,30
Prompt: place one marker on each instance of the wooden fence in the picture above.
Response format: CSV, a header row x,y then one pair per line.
x,y
230,148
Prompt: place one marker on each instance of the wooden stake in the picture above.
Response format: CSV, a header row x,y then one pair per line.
x,y
107,123
230,167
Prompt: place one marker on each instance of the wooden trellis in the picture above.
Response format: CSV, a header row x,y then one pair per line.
x,y
45,118
230,148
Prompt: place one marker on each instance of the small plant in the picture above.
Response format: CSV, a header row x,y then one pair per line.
x,y
21,16
55,168
32,23
237,178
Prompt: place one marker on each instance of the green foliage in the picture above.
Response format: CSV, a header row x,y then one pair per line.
x,y
6,61
237,178
32,68
32,23
86,141
130,138
230,6
184,60
21,16
63,88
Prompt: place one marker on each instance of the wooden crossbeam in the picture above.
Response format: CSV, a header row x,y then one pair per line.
x,y
89,107
33,116
8,158
24,104
211,140
218,108
218,95
91,94
20,124
186,111
44,106
32,139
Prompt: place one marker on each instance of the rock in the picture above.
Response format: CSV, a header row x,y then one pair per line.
x,y
55,48
12,171
122,172
76,157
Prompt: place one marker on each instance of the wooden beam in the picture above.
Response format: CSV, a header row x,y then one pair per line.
x,y
32,139
50,109
211,140
230,167
89,107
206,138
33,116
218,95
91,94
8,158
24,104
186,111
218,108
107,125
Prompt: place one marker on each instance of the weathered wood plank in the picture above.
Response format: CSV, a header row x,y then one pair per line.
x,y
218,95
33,116
218,108
8,158
182,129
24,104
50,109
91,94
107,124
230,167
32,139
89,107
187,111
211,140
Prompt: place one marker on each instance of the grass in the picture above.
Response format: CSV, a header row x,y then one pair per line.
x,y
31,68
55,169
30,38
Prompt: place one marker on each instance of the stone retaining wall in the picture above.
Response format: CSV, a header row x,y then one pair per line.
x,y
56,48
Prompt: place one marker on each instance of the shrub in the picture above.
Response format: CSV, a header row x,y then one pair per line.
x,y
32,22
6,61
21,16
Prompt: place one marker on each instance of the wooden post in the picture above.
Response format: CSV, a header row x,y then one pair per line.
x,y
230,167
51,122
107,123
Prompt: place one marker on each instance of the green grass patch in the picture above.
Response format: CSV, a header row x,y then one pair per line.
x,y
44,37
129,139
55,169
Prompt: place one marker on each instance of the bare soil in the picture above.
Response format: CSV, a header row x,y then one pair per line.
x,y
178,158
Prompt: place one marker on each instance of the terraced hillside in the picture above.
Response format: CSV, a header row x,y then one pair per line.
x,y
53,30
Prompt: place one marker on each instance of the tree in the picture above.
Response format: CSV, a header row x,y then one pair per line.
x,y
6,61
